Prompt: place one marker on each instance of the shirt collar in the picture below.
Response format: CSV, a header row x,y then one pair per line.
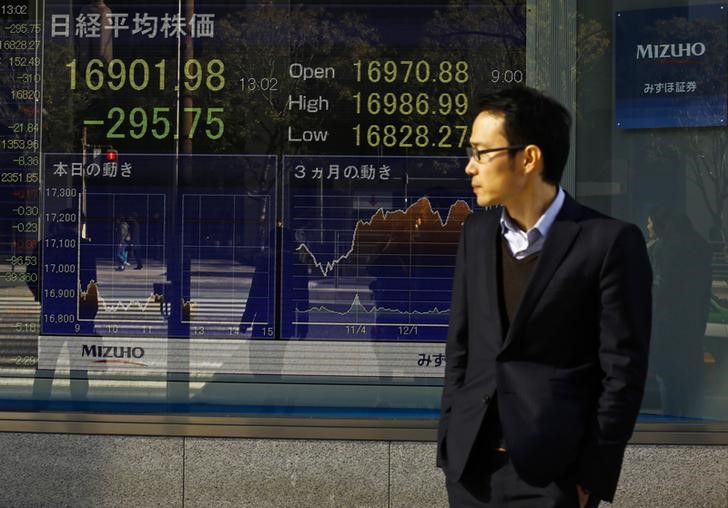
x,y
543,224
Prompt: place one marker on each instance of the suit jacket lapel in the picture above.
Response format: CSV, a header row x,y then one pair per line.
x,y
561,236
487,271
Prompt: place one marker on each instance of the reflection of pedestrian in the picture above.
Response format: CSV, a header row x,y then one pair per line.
x,y
58,235
681,262
123,241
134,250
83,307
259,313
257,316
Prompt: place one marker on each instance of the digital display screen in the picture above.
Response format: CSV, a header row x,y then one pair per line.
x,y
239,187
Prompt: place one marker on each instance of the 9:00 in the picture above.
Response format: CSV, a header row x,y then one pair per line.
x,y
410,136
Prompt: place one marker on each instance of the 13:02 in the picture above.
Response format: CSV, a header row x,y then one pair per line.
x,y
268,84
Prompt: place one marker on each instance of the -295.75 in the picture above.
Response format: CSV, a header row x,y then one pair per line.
x,y
138,123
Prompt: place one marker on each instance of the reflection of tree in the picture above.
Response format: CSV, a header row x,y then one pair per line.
x,y
705,152
709,171
260,43
61,126
492,38
64,109
592,41
706,149
489,37
556,69
711,33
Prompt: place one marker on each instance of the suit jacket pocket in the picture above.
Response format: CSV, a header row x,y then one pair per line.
x,y
544,429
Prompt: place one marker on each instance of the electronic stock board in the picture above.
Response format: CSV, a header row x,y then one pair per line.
x,y
239,187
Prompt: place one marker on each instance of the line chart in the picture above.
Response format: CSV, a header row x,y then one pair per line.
x,y
399,218
371,260
138,256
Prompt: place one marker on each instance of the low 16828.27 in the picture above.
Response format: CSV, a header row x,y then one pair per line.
x,y
410,136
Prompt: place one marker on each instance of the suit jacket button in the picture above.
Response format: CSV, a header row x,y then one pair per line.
x,y
486,400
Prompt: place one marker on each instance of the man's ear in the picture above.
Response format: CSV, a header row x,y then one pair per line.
x,y
532,159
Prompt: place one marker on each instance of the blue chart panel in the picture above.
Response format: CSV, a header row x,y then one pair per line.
x,y
228,246
104,228
370,244
124,240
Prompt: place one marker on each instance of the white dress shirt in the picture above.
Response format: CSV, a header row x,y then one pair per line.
x,y
524,243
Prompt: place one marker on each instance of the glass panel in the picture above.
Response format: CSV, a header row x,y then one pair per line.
x,y
237,207
651,149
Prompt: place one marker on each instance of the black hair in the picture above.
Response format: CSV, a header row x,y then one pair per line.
x,y
532,118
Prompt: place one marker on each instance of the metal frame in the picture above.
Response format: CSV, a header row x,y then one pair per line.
x,y
697,433
219,426
303,428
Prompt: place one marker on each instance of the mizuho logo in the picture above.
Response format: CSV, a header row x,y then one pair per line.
x,y
118,352
679,50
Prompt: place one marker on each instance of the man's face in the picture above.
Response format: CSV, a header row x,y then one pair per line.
x,y
497,179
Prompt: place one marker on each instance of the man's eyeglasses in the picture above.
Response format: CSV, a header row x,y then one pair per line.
x,y
475,154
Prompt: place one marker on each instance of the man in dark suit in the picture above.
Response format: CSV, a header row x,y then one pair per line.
x,y
549,324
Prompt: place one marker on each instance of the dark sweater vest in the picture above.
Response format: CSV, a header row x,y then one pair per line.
x,y
512,280
513,276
